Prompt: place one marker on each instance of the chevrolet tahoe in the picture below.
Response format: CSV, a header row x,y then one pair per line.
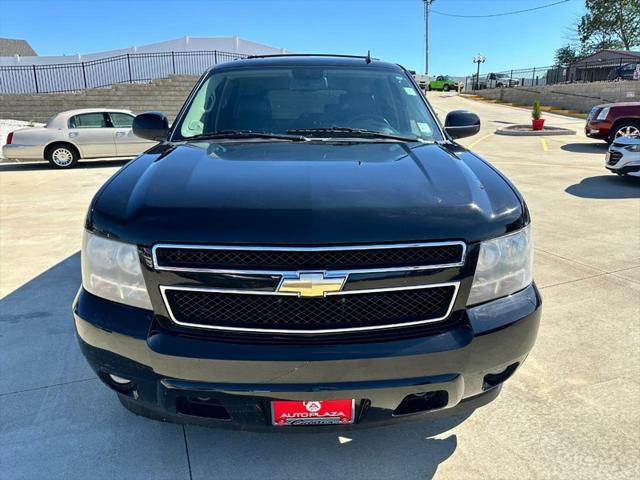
x,y
307,246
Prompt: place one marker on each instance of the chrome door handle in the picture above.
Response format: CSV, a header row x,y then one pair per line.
x,y
120,134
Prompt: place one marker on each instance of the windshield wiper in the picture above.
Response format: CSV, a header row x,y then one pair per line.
x,y
232,134
354,132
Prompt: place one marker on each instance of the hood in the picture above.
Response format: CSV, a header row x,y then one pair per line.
x,y
626,140
286,193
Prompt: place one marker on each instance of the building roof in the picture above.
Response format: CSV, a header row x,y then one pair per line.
x,y
13,46
610,54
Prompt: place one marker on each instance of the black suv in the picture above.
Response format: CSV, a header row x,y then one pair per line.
x,y
306,246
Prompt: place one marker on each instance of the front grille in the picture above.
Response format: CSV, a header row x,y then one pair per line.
x,y
311,259
614,157
301,315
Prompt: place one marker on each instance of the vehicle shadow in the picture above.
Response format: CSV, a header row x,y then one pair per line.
x,y
6,166
585,147
606,187
406,451
43,378
35,323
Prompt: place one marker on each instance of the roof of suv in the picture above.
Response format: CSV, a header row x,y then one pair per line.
x,y
288,60
620,104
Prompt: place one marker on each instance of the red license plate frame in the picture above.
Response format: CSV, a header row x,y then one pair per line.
x,y
294,413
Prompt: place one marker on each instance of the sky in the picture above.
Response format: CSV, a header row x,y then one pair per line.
x,y
392,29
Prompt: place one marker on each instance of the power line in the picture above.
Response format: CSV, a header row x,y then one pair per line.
x,y
500,14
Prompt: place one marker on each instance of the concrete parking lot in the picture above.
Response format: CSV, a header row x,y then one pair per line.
x,y
571,411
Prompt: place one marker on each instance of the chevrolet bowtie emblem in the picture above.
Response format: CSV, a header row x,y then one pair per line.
x,y
311,284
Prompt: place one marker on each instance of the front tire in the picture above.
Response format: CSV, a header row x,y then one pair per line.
x,y
624,128
446,88
62,156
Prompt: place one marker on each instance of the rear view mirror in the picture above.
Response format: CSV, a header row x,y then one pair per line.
x,y
461,123
151,126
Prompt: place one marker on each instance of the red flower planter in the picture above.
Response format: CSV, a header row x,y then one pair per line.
x,y
537,124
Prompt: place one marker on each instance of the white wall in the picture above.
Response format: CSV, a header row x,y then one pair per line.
x,y
103,69
184,44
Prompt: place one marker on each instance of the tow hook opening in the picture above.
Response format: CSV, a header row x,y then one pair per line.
x,y
202,407
494,379
422,402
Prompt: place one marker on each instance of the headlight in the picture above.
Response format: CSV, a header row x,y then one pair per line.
x,y
112,270
505,265
603,113
633,148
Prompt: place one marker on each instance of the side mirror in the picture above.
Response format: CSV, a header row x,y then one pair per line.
x,y
460,124
151,125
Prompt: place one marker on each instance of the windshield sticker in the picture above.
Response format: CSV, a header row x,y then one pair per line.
x,y
410,91
424,127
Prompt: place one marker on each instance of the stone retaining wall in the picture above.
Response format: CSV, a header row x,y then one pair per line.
x,y
165,95
575,96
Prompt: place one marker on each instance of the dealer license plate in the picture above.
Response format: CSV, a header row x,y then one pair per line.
x,y
316,412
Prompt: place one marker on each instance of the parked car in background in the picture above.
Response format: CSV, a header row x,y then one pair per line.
x,y
306,246
421,80
503,80
77,134
443,83
612,120
630,71
497,80
623,156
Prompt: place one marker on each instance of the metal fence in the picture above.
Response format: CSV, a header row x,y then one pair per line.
x,y
127,68
611,69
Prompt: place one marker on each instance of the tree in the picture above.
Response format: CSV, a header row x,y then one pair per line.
x,y
566,55
610,24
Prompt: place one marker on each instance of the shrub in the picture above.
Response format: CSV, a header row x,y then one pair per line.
x,y
536,113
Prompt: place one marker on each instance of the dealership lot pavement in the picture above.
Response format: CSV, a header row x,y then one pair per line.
x,y
572,411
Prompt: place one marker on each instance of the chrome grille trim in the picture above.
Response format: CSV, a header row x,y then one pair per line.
x,y
156,265
164,289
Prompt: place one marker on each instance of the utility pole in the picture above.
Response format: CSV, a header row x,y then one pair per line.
x,y
427,5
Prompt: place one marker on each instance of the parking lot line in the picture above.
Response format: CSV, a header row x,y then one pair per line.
x,y
545,145
474,143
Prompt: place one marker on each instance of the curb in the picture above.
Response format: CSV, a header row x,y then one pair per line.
x,y
511,130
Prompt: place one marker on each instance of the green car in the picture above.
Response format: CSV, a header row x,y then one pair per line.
x,y
444,83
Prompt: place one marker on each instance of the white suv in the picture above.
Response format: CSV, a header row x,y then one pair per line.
x,y
623,156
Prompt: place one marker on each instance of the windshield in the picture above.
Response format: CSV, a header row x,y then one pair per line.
x,y
311,99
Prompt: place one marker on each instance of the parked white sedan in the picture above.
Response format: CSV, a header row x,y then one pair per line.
x,y
69,136
623,156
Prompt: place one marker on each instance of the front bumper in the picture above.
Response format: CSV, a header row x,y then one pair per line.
x,y
620,160
599,129
192,380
